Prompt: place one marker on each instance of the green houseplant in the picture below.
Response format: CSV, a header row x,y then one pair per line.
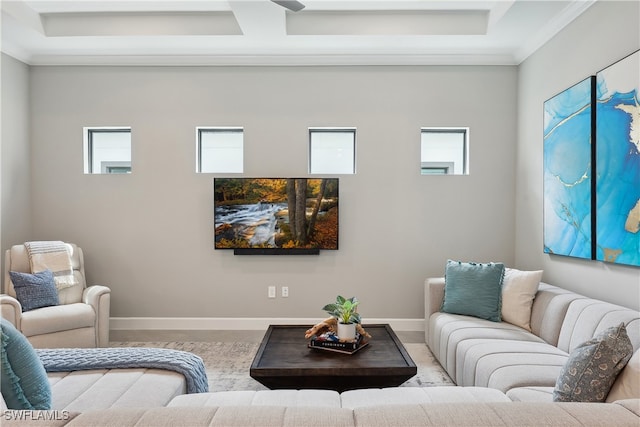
x,y
345,311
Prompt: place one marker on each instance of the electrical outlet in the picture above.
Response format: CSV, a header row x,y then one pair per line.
x,y
271,291
285,292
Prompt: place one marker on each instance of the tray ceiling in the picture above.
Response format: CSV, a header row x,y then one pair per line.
x,y
261,32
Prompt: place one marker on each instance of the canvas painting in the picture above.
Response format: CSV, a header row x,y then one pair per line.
x,y
567,164
618,162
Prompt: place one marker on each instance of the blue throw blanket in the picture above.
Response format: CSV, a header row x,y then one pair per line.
x,y
78,359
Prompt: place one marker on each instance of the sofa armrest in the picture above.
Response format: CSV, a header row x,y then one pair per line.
x,y
433,296
11,309
632,405
92,294
99,297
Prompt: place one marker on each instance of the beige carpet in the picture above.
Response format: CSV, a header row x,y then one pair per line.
x,y
228,363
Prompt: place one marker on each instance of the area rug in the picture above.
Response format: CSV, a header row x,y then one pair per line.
x,y
228,363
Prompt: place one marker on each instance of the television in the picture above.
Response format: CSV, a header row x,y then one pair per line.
x,y
276,216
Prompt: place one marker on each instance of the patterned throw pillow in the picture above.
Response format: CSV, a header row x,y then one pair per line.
x,y
473,289
35,290
593,366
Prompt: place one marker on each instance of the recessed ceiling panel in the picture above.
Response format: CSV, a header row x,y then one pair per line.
x,y
140,24
435,22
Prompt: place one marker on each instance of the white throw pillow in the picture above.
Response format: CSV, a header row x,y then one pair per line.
x,y
518,290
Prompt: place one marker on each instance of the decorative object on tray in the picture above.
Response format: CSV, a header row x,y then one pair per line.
x,y
346,311
331,325
330,334
331,342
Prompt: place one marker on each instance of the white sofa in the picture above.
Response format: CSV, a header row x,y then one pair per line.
x,y
149,398
523,364
297,408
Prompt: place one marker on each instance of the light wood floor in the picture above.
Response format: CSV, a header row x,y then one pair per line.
x,y
220,336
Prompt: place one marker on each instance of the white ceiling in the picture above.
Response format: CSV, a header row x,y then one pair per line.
x,y
260,32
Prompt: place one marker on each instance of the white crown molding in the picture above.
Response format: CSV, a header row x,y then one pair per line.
x,y
237,323
15,52
571,12
268,60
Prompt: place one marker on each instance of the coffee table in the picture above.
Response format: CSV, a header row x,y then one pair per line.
x,y
284,361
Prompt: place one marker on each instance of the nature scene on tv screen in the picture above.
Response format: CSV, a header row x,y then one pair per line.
x,y
287,213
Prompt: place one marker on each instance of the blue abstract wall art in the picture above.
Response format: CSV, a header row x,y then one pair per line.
x,y
567,160
617,231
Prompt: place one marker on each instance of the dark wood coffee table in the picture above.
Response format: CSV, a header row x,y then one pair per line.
x,y
284,361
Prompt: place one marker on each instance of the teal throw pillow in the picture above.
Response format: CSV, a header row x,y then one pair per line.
x,y
473,289
35,290
23,380
593,366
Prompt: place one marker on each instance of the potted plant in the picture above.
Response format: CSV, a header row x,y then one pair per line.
x,y
345,311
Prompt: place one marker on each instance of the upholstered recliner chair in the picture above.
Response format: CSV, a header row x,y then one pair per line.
x,y
81,319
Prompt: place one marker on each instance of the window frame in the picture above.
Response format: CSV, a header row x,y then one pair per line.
x,y
88,136
464,130
352,130
214,129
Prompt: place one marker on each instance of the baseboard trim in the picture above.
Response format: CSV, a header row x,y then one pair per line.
x,y
240,323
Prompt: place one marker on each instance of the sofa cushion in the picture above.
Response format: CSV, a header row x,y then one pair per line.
x,y
587,317
34,290
627,385
418,395
531,394
258,416
518,291
473,289
114,388
58,318
632,405
347,399
447,331
593,366
289,398
506,364
23,379
496,414
549,310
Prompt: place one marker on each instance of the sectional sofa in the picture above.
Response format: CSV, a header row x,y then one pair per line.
x,y
525,363
435,406
505,376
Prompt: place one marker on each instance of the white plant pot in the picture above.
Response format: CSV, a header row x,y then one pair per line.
x,y
346,331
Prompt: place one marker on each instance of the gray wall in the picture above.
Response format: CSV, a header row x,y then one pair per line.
x,y
15,179
605,33
148,235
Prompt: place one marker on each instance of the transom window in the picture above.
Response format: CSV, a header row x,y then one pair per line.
x,y
332,150
220,150
444,151
107,150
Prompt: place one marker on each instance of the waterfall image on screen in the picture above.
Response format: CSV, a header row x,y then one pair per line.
x,y
276,213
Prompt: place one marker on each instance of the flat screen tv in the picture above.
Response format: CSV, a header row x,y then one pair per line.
x,y
274,216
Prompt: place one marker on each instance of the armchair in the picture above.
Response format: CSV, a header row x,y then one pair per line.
x,y
80,320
